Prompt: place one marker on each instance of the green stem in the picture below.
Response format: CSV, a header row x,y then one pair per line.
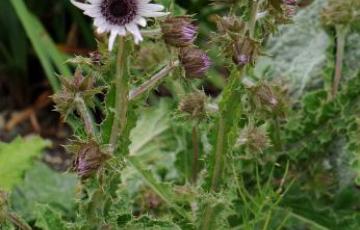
x,y
277,134
122,93
85,116
341,32
219,159
195,143
153,81
163,192
252,22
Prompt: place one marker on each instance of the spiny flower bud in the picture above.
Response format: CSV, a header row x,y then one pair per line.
x,y
254,138
229,24
268,97
341,12
245,51
195,62
78,85
289,8
193,104
89,158
179,31
96,58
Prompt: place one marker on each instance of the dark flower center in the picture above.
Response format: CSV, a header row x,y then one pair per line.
x,y
119,12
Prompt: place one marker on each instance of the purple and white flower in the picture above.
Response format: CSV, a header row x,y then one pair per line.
x,y
118,17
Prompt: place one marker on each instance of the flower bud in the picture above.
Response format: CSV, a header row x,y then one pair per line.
x,y
341,12
229,24
96,58
268,98
193,104
290,2
254,138
78,85
89,158
245,51
195,62
179,31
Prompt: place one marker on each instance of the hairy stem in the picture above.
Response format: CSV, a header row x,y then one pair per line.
x,y
195,143
122,93
149,84
85,116
253,17
277,134
219,161
151,32
341,32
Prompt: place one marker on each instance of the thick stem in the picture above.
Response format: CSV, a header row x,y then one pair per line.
x,y
85,116
208,216
195,143
219,155
122,93
341,32
151,33
149,84
277,134
253,17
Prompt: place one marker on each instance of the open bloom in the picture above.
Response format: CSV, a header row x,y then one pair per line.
x,y
118,17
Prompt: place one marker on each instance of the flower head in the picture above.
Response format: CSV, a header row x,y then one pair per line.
x,y
118,17
245,51
193,104
73,87
255,139
179,31
195,62
89,157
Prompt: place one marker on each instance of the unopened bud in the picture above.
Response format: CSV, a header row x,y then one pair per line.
x,y
195,62
229,24
89,158
245,51
264,94
179,31
268,98
290,2
71,87
343,12
96,58
193,104
254,138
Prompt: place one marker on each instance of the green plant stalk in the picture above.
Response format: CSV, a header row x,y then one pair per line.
x,y
85,116
277,134
219,155
196,153
221,146
228,111
155,79
341,32
167,197
122,92
252,22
